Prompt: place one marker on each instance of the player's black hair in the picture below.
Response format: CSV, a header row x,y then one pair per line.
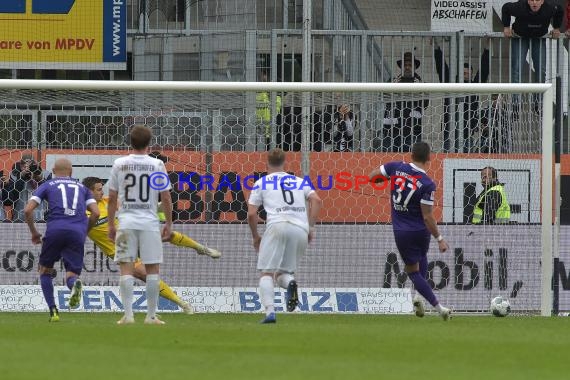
x,y
493,171
89,182
421,152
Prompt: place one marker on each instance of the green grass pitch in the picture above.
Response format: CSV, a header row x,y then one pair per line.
x,y
299,346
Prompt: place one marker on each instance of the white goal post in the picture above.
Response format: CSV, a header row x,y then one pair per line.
x,y
198,103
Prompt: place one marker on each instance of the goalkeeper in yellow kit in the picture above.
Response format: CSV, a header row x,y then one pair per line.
x,y
99,236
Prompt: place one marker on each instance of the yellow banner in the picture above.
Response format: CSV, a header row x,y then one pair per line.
x,y
63,34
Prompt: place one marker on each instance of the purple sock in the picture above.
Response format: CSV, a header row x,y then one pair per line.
x,y
423,287
424,267
70,281
47,289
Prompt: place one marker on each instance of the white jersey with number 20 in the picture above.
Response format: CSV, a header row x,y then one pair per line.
x,y
131,177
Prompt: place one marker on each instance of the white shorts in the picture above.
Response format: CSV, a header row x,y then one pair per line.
x,y
129,244
282,245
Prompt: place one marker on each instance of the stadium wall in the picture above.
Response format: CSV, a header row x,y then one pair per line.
x,y
346,201
483,262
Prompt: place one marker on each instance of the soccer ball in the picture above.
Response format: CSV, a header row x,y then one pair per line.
x,y
500,307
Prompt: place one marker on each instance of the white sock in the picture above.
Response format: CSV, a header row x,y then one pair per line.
x,y
284,279
439,308
267,293
152,289
126,283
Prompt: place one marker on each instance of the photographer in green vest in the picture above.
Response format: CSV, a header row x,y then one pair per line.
x,y
492,206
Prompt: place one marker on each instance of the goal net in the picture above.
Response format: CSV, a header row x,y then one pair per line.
x,y
214,138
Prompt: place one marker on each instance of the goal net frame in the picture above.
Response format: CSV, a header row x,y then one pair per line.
x,y
546,90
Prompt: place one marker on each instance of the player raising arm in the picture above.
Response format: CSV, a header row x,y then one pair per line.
x,y
66,227
177,238
288,231
412,195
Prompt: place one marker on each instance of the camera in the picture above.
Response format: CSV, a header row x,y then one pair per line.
x,y
33,170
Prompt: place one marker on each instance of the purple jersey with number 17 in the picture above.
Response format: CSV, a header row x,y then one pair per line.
x,y
67,203
410,186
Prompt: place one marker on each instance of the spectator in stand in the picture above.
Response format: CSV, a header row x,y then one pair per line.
x,y
403,116
496,126
343,129
6,188
470,104
334,129
26,177
263,110
532,19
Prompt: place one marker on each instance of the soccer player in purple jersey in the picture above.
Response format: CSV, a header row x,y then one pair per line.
x,y
413,221
66,228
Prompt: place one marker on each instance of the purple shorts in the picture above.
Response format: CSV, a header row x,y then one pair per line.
x,y
63,244
412,245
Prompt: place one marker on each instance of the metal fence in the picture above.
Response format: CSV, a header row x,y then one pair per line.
x,y
357,56
249,40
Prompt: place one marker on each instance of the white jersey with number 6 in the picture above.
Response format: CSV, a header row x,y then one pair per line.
x,y
284,198
132,177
